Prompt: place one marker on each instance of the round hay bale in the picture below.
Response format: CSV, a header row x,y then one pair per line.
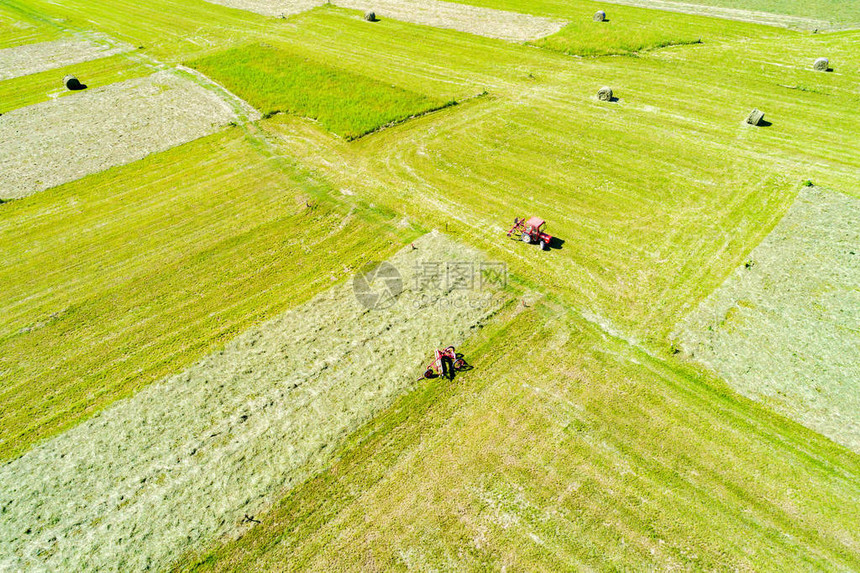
x,y
755,117
72,83
370,16
821,64
599,16
604,94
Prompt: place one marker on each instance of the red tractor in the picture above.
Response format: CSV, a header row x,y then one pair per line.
x,y
531,231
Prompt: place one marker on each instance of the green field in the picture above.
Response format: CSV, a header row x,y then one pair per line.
x,y
274,80
207,248
582,438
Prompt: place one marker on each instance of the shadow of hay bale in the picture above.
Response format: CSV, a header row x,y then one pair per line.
x,y
73,84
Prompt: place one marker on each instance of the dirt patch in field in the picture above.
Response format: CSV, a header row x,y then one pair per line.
x,y
186,459
35,58
55,142
511,26
752,16
785,327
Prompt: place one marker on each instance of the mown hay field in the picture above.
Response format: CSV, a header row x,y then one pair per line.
x,y
580,439
565,446
45,86
114,281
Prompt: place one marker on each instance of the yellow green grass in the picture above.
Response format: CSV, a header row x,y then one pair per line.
x,y
16,29
565,448
348,104
120,278
36,88
578,440
847,13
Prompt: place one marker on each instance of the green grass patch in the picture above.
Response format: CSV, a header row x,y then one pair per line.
x,y
36,88
121,278
350,105
612,38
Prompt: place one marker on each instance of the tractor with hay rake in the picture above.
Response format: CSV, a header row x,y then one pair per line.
x,y
531,231
445,363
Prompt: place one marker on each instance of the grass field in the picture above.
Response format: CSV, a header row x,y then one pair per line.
x,y
191,254
567,447
828,10
350,105
36,88
634,30
580,439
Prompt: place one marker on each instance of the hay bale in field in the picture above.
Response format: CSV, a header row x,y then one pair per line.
x,y
72,83
821,64
599,16
755,117
370,16
604,94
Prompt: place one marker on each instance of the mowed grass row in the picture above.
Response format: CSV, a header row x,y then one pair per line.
x,y
36,88
121,278
658,196
274,80
834,11
837,11
565,448
627,30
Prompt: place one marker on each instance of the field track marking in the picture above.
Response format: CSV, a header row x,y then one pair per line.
x,y
181,462
752,16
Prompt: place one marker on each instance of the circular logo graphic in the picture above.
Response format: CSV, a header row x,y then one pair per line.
x,y
377,285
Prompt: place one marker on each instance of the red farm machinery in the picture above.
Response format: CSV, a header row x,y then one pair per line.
x,y
445,363
531,231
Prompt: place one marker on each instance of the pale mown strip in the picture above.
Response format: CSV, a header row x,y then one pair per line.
x,y
35,58
55,142
501,24
740,15
185,459
785,327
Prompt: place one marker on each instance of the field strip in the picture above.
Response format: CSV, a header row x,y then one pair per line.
x,y
752,16
785,327
274,8
500,24
44,56
55,142
185,459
